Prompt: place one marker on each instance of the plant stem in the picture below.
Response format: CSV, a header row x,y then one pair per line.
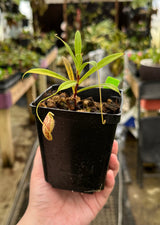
x,y
76,88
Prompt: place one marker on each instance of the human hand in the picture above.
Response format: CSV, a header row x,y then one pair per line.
x,y
48,205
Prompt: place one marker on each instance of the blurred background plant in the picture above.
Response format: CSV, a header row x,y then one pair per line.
x,y
17,56
14,19
150,53
154,54
6,72
19,59
139,3
38,8
137,56
25,51
43,42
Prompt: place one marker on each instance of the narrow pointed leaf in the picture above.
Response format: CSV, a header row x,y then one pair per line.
x,y
108,59
79,61
104,85
78,43
66,85
78,47
45,72
68,68
69,50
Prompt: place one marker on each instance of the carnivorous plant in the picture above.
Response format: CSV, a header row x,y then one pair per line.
x,y
75,78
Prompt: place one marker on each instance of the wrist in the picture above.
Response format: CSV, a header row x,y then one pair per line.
x,y
29,218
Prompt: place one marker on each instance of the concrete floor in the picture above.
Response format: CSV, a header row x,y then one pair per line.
x,y
144,202
24,135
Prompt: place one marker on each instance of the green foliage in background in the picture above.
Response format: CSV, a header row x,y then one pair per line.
x,y
150,53
139,3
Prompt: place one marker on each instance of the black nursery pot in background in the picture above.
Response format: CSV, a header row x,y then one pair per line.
x,y
149,71
77,157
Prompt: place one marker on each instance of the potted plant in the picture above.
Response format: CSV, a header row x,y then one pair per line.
x,y
14,60
8,77
132,62
150,67
75,133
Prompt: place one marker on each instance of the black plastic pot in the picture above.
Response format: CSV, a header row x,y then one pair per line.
x,y
10,81
149,71
77,158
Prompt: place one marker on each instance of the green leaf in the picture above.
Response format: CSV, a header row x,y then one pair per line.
x,y
93,63
78,47
104,85
66,85
78,43
45,72
108,59
69,51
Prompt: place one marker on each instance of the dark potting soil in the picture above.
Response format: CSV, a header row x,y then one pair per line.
x,y
66,102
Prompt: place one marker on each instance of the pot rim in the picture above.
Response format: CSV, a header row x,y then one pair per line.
x,y
149,63
33,105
